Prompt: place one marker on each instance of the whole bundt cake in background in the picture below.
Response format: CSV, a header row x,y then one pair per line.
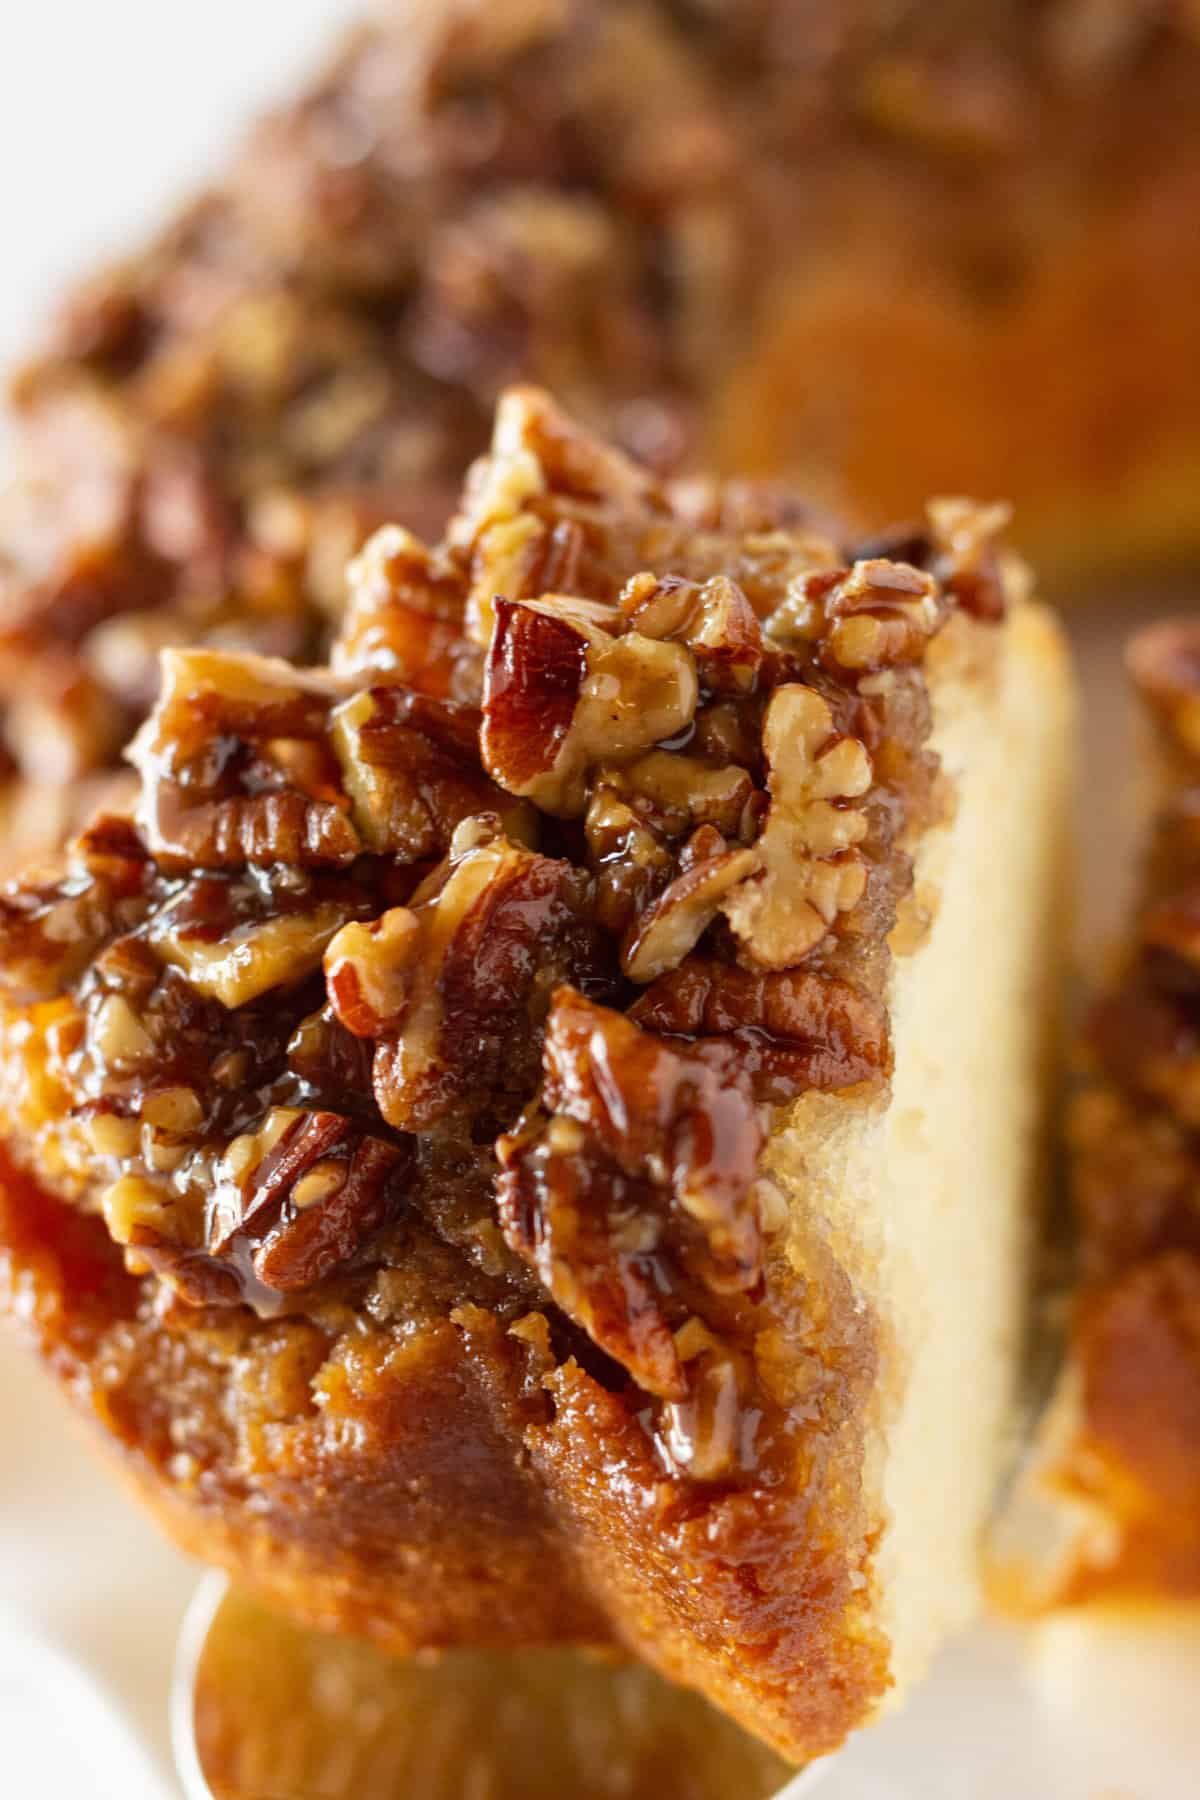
x,y
883,250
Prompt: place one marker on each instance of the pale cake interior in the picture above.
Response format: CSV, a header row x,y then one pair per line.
x,y
928,1199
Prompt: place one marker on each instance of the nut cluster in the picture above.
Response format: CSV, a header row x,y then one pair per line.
x,y
537,954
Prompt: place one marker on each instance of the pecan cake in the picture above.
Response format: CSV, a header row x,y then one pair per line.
x,y
883,249
1120,1460
526,1134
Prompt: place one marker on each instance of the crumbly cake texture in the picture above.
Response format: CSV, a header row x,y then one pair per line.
x,y
841,245
457,1160
1112,1507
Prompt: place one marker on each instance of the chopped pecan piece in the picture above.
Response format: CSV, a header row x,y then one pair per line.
x,y
879,613
307,1198
235,767
148,1029
882,614
287,1205
680,793
369,972
590,1233
515,526
411,768
50,930
468,982
253,956
811,869
404,620
674,923
683,1122
535,446
714,619
967,554
634,1201
562,695
636,816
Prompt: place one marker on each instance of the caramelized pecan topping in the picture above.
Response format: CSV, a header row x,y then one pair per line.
x,y
357,966
674,923
877,614
1164,660
304,1201
965,539
679,1135
714,619
288,1205
404,620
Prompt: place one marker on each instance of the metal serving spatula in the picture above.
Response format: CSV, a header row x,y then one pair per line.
x,y
266,1711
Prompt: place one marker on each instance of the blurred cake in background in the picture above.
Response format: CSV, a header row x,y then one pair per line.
x,y
886,250
1110,1508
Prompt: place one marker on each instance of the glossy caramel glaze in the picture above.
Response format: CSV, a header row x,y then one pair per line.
x,y
419,1051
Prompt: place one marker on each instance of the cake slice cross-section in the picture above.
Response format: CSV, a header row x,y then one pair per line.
x,y
530,1134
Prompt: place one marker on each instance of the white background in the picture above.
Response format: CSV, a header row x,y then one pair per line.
x,y
109,109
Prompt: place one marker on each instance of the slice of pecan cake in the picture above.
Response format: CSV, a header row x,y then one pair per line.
x,y
528,1134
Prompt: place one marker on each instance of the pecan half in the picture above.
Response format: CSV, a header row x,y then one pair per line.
x,y
794,1028
714,619
811,869
967,554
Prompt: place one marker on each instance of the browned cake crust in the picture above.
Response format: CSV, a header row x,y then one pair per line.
x,y
420,1055
885,251
1127,1452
